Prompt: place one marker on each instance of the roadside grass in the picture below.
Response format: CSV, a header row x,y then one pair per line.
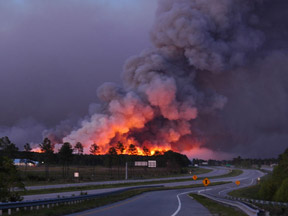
x,y
250,192
62,209
35,176
233,173
215,208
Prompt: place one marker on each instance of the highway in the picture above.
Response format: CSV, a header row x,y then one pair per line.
x,y
216,171
173,202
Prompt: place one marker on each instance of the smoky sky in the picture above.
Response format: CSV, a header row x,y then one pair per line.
x,y
54,54
213,74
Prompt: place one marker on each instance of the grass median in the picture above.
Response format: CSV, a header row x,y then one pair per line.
x,y
94,203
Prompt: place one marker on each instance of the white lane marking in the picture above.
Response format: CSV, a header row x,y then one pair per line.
x,y
224,191
179,200
204,190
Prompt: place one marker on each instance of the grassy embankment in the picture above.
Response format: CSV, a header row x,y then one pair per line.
x,y
93,187
216,208
252,192
69,209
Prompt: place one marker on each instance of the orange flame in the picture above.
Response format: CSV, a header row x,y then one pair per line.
x,y
36,149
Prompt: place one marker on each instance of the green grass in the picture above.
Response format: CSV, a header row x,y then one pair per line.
x,y
89,204
36,175
215,208
247,192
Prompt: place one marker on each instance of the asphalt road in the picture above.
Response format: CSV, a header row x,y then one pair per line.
x,y
215,172
172,202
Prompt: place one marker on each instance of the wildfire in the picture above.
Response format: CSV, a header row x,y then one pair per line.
x,y
37,149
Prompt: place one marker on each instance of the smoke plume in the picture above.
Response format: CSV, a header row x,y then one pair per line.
x,y
215,78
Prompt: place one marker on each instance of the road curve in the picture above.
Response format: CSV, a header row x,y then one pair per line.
x,y
216,171
172,202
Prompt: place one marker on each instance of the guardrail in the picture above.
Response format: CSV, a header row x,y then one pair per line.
x,y
244,207
263,202
55,202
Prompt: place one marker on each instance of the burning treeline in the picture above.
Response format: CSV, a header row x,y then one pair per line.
x,y
168,90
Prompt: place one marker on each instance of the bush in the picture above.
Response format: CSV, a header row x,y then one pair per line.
x,y
282,193
268,189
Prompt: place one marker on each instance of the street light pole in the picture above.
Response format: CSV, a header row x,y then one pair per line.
x,y
126,171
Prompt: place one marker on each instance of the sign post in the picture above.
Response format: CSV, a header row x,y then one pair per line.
x,y
76,175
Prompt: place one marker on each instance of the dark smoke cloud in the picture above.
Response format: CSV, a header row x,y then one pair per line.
x,y
54,54
25,131
207,82
215,78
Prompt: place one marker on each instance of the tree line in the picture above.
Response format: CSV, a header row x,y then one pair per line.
x,y
67,155
276,186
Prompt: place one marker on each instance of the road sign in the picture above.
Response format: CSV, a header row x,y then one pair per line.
x,y
152,163
195,177
141,163
237,182
206,182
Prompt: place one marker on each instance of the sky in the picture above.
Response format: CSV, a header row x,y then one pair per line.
x,y
230,72
54,55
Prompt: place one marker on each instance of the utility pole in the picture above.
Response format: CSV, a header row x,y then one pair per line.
x,y
126,171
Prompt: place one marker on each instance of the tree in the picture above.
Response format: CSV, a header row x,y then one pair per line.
x,y
112,155
9,180
112,151
79,148
48,150
146,151
157,153
8,147
132,150
65,155
282,193
275,187
94,149
27,147
4,141
120,147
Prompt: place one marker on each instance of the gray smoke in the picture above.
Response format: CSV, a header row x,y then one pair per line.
x,y
216,78
24,131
